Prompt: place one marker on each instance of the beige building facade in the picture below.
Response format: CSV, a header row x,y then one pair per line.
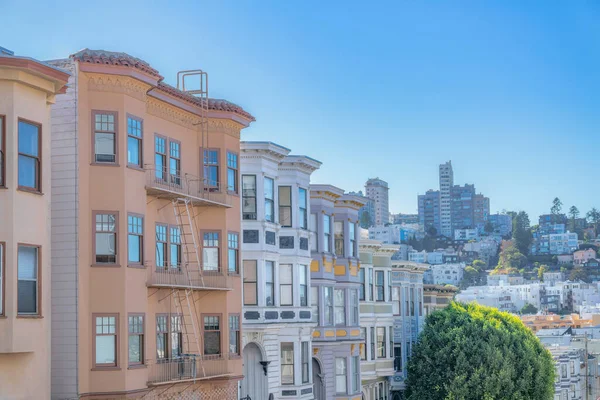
x,y
27,90
145,235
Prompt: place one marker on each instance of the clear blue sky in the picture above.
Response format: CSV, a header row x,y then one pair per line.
x,y
507,90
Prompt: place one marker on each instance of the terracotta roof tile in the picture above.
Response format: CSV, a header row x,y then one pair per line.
x,y
115,58
213,104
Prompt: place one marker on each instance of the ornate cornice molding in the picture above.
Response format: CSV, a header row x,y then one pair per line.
x,y
176,115
225,126
118,84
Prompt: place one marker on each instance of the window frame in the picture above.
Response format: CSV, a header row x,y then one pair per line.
x,y
179,247
328,307
380,287
354,307
381,345
282,364
236,171
245,281
303,287
272,264
326,233
164,169
140,139
116,233
363,350
139,264
338,239
142,339
289,286
391,341
179,332
207,184
248,215
303,211
362,277
116,365
38,188
116,133
174,179
352,236
267,200
344,375
237,332
236,250
165,333
2,151
337,307
304,361
166,249
219,331
218,247
281,195
2,279
38,286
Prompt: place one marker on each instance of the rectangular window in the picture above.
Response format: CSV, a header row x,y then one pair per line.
x,y
572,365
353,307
412,302
305,361
2,153
176,336
28,296
175,162
370,283
233,253
249,197
406,302
361,275
314,303
136,339
420,294
285,206
105,340
340,307
373,340
396,300
269,283
340,375
398,358
105,238
314,242
389,285
355,374
174,247
363,345
1,274
135,239
287,363
212,335
563,370
232,172
352,233
269,199
134,141
302,209
162,335
161,246
326,233
250,287
381,342
210,251
30,157
391,341
379,284
286,281
105,137
234,334
211,169
338,233
328,300
303,285
160,158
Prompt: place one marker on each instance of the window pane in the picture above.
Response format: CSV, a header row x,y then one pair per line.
x,y
28,139
135,249
135,349
105,247
269,188
28,171
27,262
287,363
105,349
133,151
105,147
285,274
210,258
27,297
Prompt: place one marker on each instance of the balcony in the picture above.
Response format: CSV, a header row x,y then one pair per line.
x,y
164,185
187,368
179,278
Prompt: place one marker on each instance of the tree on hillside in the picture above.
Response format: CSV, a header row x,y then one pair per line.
x,y
479,265
529,309
556,206
577,274
470,277
541,270
489,227
511,260
593,217
522,232
472,352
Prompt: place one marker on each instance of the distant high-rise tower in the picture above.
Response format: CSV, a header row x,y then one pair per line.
x,y
446,183
377,190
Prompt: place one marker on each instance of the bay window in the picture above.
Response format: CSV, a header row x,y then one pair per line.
x,y
303,286
105,240
326,233
175,162
352,233
135,239
287,363
381,342
339,307
232,253
338,234
285,206
305,360
361,276
302,209
105,137
135,345
340,375
314,303
379,284
249,197
212,334
269,283
250,283
134,142
210,161
314,243
210,251
286,281
106,328
232,172
328,300
269,191
234,334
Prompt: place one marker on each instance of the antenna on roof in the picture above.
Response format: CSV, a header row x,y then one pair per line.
x,y
195,82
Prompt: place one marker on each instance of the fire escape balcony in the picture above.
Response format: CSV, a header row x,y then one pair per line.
x,y
182,277
161,183
187,368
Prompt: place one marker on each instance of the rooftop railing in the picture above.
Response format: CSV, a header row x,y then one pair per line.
x,y
178,277
163,182
187,367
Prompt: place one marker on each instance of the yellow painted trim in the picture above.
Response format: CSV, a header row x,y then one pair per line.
x,y
354,270
341,332
355,332
314,266
316,334
329,333
328,266
340,270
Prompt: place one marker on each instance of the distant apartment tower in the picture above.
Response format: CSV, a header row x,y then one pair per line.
x,y
404,218
368,208
429,210
461,209
446,184
481,211
502,223
377,190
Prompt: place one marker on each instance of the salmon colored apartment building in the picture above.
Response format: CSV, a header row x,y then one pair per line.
x,y
145,234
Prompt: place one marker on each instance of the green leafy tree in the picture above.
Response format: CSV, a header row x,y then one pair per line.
x,y
470,277
593,217
556,206
541,270
511,260
522,232
529,309
578,274
365,220
472,352
479,265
